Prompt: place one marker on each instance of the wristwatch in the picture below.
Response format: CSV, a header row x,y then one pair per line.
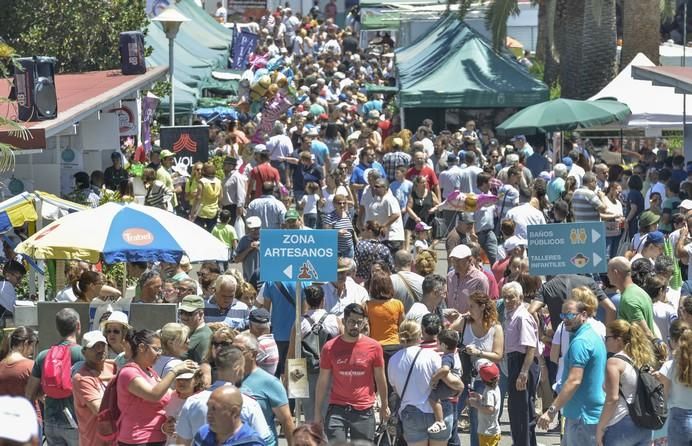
x,y
552,410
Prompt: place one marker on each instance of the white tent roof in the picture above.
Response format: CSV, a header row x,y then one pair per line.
x,y
651,106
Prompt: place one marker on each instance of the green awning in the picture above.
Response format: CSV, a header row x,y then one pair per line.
x,y
452,66
375,88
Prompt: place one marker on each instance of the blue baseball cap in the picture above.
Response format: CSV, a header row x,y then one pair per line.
x,y
655,237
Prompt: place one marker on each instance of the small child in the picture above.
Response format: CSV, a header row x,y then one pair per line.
x,y
225,232
488,405
422,236
186,385
309,203
447,342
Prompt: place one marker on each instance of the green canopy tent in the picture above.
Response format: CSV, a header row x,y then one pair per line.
x,y
389,14
563,114
455,67
188,51
209,31
185,100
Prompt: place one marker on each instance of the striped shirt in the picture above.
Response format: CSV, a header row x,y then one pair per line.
x,y
345,242
236,315
585,204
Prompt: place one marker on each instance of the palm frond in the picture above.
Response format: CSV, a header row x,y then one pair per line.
x,y
496,18
667,9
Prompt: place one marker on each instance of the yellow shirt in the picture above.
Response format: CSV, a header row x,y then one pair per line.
x,y
211,190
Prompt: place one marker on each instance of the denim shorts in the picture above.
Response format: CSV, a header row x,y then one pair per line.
x,y
416,424
626,433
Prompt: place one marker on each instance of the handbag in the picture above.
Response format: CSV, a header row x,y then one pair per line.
x,y
391,433
467,370
439,228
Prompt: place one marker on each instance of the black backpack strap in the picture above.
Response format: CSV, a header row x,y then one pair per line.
x,y
284,292
628,361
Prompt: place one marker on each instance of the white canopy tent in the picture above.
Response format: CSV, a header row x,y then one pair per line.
x,y
652,107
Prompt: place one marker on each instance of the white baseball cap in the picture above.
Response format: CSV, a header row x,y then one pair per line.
x,y
253,222
460,252
686,205
514,242
91,338
18,419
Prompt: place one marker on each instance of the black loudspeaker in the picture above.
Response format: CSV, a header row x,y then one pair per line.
x,y
132,53
34,89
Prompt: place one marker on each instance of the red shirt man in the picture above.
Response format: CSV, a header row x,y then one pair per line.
x,y
355,364
261,173
420,169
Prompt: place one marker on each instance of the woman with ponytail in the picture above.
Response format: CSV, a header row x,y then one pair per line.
x,y
88,286
676,376
632,350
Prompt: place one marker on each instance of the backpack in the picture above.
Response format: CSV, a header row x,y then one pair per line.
x,y
312,343
648,408
109,412
56,374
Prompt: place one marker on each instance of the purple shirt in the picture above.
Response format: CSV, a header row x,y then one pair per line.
x,y
460,288
521,330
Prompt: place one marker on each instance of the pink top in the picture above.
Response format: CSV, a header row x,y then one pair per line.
x,y
521,330
140,421
460,288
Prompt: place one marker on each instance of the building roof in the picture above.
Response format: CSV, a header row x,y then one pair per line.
x,y
678,77
79,95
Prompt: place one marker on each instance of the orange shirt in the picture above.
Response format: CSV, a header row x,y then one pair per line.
x,y
384,317
88,386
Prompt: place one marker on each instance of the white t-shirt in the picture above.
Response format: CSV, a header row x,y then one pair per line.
x,y
418,389
490,424
329,198
66,295
330,324
221,13
380,209
523,216
680,396
664,314
309,204
417,311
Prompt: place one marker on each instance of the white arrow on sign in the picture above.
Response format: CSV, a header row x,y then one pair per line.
x,y
596,259
595,235
289,271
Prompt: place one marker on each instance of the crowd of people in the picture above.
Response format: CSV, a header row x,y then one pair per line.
x,y
391,338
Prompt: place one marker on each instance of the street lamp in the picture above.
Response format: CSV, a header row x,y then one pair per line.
x,y
171,19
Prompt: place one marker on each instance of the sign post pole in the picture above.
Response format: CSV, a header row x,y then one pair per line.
x,y
298,350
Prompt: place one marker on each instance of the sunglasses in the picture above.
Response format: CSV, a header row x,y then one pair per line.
x,y
113,331
568,316
216,344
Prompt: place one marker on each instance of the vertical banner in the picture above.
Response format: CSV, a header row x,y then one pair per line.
x,y
243,44
189,143
149,105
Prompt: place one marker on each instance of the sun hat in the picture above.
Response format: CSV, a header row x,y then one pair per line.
x,y
116,317
18,419
460,252
253,222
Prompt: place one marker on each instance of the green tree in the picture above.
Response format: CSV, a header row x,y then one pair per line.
x,y
81,34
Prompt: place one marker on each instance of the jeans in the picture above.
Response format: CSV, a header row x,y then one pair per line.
x,y
309,403
478,387
503,392
626,433
343,422
612,244
58,434
281,167
578,434
416,424
488,241
521,403
454,434
679,426
310,220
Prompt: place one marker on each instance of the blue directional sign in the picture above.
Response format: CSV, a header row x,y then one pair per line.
x,y
567,248
298,255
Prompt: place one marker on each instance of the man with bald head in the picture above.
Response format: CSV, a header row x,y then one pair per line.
x,y
635,306
224,426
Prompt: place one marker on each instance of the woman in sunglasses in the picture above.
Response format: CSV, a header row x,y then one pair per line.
x,y
222,336
115,328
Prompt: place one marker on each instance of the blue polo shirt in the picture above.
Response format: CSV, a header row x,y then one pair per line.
x,y
587,351
245,436
283,311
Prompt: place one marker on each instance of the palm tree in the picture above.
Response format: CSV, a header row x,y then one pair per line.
x,y
587,55
641,24
15,129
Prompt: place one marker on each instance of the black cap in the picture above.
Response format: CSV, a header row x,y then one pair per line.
x,y
259,316
230,160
